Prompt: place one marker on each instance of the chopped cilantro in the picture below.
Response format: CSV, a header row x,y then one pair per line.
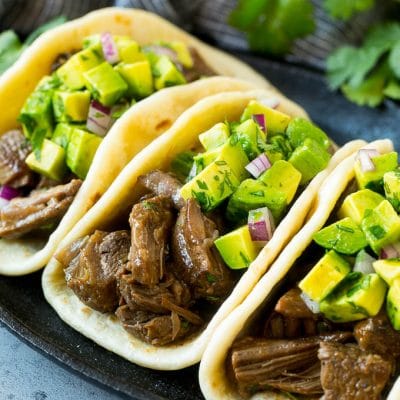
x,y
211,278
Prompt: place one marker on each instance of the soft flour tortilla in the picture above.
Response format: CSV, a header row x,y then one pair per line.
x,y
105,329
140,125
214,380
137,128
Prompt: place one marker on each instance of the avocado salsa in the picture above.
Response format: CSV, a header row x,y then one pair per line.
x,y
65,118
353,289
173,267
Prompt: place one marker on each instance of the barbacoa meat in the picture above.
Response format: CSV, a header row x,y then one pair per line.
x,y
157,330
39,210
349,373
291,305
157,314
260,363
200,68
196,260
14,148
91,266
163,184
151,221
376,335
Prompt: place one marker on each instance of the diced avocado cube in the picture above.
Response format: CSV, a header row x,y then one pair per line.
x,y
166,73
344,236
213,185
249,135
71,106
361,296
236,248
81,150
393,304
202,160
355,204
373,179
105,84
381,226
215,137
182,164
138,77
391,184
51,163
388,270
329,271
36,115
252,194
71,73
183,53
233,155
284,177
62,134
299,129
130,53
281,144
309,159
273,153
275,120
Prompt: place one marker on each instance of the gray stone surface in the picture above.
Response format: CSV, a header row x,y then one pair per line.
x,y
27,375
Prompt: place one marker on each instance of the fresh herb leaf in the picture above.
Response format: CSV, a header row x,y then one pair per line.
x,y
345,9
365,73
10,49
272,26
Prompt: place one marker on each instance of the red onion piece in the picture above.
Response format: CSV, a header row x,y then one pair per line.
x,y
312,305
261,225
8,192
99,119
258,165
110,50
260,120
391,251
365,157
271,102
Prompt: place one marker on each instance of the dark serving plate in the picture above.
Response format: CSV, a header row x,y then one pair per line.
x,y
24,309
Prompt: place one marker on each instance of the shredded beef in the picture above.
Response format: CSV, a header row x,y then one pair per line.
x,y
196,260
151,222
91,266
163,184
263,363
14,148
291,305
200,68
376,335
349,373
37,211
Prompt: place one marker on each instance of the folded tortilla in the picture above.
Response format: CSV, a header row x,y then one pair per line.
x,y
132,132
214,380
105,329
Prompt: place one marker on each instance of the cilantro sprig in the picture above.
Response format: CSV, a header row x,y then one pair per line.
x,y
368,74
11,46
272,25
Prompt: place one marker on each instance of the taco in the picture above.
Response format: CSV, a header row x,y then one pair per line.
x,y
324,320
58,102
185,256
